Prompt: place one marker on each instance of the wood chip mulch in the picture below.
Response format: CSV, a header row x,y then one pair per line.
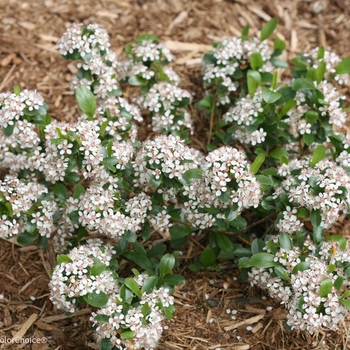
x,y
204,319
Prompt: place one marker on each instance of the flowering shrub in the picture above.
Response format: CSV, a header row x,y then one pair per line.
x,y
67,181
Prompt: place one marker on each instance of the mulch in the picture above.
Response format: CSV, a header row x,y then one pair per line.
x,y
203,319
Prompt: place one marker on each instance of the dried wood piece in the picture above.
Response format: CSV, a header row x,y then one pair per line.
x,y
246,322
180,18
55,318
26,325
182,46
259,12
255,310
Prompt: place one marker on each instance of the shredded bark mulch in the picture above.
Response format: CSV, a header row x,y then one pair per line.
x,y
213,309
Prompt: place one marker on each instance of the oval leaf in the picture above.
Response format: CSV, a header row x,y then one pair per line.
x,y
86,101
167,263
97,300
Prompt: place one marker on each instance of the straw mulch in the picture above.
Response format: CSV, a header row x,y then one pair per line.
x,y
28,58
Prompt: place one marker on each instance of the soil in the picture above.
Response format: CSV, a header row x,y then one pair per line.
x,y
203,319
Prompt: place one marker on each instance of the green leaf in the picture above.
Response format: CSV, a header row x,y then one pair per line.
x,y
149,283
109,163
278,153
304,265
128,335
72,178
343,67
318,155
8,131
245,32
279,63
320,53
320,71
252,85
146,231
208,257
179,230
86,101
338,282
96,300
133,286
258,246
309,139
315,217
254,74
79,190
264,180
174,280
193,174
16,90
60,191
282,273
303,83
224,242
270,96
256,61
311,116
98,267
287,107
102,318
262,260
338,238
155,182
302,213
285,241
42,241
325,287
255,166
279,44
268,29
137,81
318,234
169,311
346,303
105,344
25,238
63,258
166,264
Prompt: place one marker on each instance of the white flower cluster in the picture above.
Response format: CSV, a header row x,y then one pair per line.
x,y
332,104
228,56
166,103
22,199
97,212
140,57
13,107
310,307
75,277
326,187
97,69
164,156
144,320
331,59
245,113
226,182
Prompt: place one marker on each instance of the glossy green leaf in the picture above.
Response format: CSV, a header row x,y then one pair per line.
x,y
325,287
268,29
174,279
133,286
318,155
166,264
255,166
86,101
96,300
270,96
